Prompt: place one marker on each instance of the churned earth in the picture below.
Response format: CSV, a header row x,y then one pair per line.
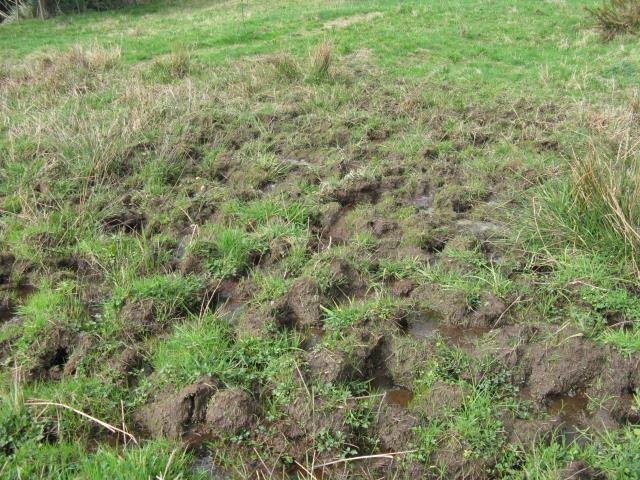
x,y
308,240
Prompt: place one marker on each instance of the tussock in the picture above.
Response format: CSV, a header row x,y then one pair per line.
x,y
321,61
609,183
286,66
617,16
75,71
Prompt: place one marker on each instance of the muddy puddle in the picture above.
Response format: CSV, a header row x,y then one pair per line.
x,y
427,324
399,396
572,411
392,394
570,408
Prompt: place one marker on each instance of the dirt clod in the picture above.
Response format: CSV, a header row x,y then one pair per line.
x,y
174,414
303,300
564,368
396,429
231,411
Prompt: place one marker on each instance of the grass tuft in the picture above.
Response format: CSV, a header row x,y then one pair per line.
x,y
321,61
617,16
609,184
286,66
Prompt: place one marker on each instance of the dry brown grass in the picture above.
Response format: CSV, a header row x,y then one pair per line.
x,y
74,71
321,60
609,184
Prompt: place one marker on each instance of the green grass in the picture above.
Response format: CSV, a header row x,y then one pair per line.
x,y
384,154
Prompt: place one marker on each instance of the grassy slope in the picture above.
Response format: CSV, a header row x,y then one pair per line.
x,y
544,48
84,142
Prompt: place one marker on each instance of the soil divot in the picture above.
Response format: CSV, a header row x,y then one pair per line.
x,y
231,411
10,303
54,350
175,414
129,221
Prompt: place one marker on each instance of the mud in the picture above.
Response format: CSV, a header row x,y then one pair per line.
x,y
425,324
173,415
372,209
230,412
398,396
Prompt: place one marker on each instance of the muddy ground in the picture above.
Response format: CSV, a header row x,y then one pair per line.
x,y
407,311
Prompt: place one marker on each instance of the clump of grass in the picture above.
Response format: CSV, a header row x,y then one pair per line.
x,y
608,185
78,70
286,66
595,209
177,65
180,63
617,16
95,58
321,61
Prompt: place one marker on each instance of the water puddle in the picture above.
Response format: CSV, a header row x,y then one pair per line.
x,y
570,408
398,396
393,394
204,462
423,324
426,324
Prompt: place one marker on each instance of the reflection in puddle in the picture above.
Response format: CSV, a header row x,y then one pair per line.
x,y
399,396
570,408
423,324
205,465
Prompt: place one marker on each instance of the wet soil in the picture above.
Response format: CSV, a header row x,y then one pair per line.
x,y
398,396
367,228
427,324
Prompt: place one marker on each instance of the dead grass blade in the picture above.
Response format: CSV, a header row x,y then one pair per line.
x,y
106,425
363,457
